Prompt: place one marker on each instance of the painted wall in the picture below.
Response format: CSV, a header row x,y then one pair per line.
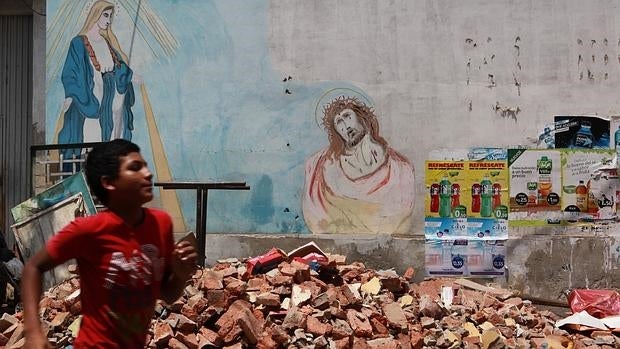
x,y
438,74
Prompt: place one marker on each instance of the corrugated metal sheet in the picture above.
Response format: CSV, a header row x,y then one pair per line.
x,y
15,115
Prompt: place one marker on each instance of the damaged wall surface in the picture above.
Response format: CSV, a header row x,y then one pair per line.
x,y
438,75
540,266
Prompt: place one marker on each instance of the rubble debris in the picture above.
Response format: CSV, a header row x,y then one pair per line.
x,y
337,305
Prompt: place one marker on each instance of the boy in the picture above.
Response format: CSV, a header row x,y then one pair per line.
x,y
125,255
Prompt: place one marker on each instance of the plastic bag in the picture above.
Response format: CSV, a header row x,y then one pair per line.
x,y
598,303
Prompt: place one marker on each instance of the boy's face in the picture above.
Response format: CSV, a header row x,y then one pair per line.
x,y
134,181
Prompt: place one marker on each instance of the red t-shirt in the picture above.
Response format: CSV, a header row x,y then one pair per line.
x,y
121,269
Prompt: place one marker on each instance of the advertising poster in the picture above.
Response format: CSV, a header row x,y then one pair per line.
x,y
589,184
488,204
446,257
486,258
582,132
467,205
444,182
445,204
535,186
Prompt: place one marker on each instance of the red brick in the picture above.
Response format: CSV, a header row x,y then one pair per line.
x,y
359,323
417,340
341,329
395,315
316,327
211,280
210,336
217,298
268,299
235,286
162,332
190,340
251,326
227,326
174,343
409,274
378,327
294,319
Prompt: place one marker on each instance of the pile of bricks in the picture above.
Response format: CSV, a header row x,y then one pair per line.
x,y
338,306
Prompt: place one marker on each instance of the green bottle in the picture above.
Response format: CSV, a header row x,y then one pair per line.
x,y
486,195
445,197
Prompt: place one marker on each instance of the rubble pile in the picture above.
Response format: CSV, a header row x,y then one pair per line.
x,y
337,305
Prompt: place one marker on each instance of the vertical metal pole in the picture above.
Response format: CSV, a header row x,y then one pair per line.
x,y
201,223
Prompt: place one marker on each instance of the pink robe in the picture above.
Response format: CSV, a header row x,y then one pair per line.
x,y
380,202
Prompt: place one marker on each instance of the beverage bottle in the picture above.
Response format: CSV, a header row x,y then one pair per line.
x,y
617,137
497,195
532,193
434,197
592,201
544,166
445,196
475,197
486,195
584,137
456,195
581,197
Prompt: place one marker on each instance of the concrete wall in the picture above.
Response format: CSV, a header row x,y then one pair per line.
x,y
447,74
543,266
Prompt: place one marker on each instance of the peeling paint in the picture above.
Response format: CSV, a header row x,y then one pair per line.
x,y
506,111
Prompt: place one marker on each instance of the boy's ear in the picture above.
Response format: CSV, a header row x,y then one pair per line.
x,y
107,183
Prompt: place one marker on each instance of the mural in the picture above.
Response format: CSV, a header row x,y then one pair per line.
x,y
358,184
98,83
218,109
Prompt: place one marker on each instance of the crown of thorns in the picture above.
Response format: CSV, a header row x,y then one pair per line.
x,y
341,103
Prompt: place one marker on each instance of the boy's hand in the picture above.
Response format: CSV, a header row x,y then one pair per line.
x,y
184,260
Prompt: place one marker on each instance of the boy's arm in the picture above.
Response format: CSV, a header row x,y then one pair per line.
x,y
31,295
183,266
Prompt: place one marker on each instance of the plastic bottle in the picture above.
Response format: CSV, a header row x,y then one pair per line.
x,y
445,197
456,195
581,197
497,195
532,193
584,137
475,198
592,201
617,137
434,197
544,166
486,195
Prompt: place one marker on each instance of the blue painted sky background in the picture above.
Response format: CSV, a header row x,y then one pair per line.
x,y
222,111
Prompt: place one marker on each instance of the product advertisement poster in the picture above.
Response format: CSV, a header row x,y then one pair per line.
x,y
445,181
466,213
488,209
582,132
446,257
589,184
535,186
479,258
445,228
486,258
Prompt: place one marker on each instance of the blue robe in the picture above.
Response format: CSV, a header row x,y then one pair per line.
x,y
77,80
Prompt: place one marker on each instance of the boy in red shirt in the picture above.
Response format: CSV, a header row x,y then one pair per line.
x,y
126,256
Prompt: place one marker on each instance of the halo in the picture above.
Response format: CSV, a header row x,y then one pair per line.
x,y
334,93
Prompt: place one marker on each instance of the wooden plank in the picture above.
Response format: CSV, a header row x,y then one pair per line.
x,y
497,292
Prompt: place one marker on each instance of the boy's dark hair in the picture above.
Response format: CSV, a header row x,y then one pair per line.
x,y
103,160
